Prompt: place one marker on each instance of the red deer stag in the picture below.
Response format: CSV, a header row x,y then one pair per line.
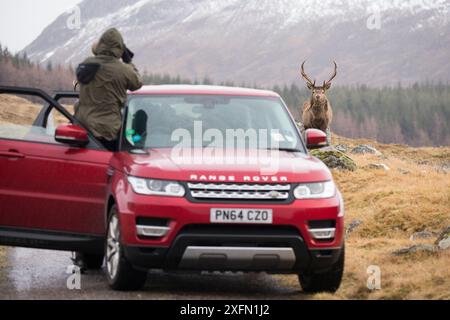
x,y
317,112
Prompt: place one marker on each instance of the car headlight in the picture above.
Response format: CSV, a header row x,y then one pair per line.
x,y
319,190
155,187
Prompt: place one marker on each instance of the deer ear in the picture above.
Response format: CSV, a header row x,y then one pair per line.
x,y
310,86
327,86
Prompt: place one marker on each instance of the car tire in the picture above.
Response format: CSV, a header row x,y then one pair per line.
x,y
329,281
119,271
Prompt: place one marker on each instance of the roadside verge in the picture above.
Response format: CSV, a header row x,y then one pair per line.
x,y
2,260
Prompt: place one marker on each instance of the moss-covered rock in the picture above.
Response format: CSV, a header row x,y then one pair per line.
x,y
334,159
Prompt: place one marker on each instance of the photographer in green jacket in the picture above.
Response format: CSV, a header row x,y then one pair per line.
x,y
104,80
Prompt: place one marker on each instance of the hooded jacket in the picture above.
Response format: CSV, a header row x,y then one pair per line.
x,y
101,100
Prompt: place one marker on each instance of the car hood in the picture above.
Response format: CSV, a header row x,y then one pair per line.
x,y
213,165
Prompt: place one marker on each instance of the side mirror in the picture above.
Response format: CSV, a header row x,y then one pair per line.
x,y
72,135
316,139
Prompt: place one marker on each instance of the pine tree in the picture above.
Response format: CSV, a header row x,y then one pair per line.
x,y
49,66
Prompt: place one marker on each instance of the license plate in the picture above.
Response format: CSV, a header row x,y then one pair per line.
x,y
257,216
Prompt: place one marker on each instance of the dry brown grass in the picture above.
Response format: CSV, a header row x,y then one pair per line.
x,y
418,276
392,203
17,110
20,111
392,206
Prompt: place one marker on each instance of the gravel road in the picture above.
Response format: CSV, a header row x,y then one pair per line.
x,y
43,274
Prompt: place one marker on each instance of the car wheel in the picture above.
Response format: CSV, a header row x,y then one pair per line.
x,y
120,273
324,282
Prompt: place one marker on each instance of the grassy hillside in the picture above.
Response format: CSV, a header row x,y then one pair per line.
x,y
414,195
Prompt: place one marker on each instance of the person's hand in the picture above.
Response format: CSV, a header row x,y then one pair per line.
x,y
94,48
127,56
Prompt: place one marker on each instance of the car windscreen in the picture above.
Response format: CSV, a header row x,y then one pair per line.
x,y
209,121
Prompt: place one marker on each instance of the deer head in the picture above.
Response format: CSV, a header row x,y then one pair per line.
x,y
318,96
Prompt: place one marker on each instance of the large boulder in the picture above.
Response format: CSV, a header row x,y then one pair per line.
x,y
334,159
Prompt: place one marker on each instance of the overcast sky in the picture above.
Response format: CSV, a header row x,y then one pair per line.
x,y
21,21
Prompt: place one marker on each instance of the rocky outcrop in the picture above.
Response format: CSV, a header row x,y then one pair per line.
x,y
404,171
378,166
416,248
334,159
443,241
422,235
352,226
365,149
342,148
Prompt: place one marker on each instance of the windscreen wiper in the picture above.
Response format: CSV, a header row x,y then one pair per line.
x,y
284,149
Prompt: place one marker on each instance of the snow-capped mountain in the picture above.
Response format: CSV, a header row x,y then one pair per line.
x,y
264,41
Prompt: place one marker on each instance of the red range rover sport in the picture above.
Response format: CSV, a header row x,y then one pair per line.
x,y
204,179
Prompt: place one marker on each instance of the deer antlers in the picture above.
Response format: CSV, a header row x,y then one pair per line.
x,y
327,84
311,84
305,76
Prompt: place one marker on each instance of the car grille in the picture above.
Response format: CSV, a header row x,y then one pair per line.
x,y
274,192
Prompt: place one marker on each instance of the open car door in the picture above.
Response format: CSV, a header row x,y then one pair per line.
x,y
52,193
44,114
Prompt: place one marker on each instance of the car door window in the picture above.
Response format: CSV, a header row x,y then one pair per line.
x,y
18,115
69,104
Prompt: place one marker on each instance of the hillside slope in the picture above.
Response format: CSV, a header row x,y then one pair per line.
x,y
264,41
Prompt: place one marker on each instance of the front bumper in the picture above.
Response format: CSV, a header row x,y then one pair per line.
x,y
180,212
192,242
221,248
